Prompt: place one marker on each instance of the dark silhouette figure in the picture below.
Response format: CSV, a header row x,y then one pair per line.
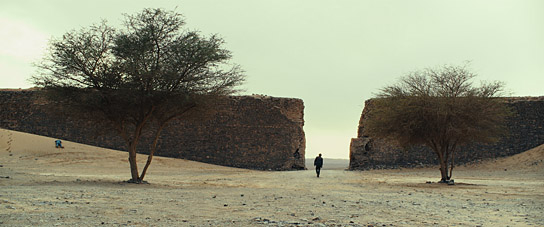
x,y
58,144
296,155
318,163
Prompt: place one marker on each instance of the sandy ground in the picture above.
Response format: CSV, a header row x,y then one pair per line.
x,y
83,186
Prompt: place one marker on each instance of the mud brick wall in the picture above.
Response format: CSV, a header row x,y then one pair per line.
x,y
255,132
526,131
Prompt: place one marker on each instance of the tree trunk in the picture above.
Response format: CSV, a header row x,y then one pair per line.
x,y
154,147
441,152
152,152
452,159
132,149
149,158
451,167
133,163
443,171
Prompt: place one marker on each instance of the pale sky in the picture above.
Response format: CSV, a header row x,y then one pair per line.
x,y
332,54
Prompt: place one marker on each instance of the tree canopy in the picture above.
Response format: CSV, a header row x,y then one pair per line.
x,y
440,108
148,72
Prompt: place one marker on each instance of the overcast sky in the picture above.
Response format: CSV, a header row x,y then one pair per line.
x,y
332,54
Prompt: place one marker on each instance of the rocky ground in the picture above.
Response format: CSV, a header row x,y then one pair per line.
x,y
83,186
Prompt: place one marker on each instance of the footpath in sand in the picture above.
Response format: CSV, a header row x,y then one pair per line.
x,y
83,185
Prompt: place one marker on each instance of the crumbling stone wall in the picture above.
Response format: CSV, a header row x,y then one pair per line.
x,y
526,131
255,132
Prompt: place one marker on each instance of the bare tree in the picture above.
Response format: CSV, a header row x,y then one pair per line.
x,y
441,109
146,74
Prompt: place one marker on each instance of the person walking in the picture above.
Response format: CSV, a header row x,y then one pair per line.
x,y
318,163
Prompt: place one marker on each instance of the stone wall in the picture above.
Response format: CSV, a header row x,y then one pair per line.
x,y
255,132
526,131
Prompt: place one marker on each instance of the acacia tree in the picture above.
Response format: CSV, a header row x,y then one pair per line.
x,y
439,108
138,78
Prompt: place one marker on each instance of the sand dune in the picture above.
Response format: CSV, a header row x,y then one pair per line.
x,y
531,160
83,185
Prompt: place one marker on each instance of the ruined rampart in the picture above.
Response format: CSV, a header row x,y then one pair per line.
x,y
255,132
525,127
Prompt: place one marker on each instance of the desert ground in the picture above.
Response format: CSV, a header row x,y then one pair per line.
x,y
82,185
